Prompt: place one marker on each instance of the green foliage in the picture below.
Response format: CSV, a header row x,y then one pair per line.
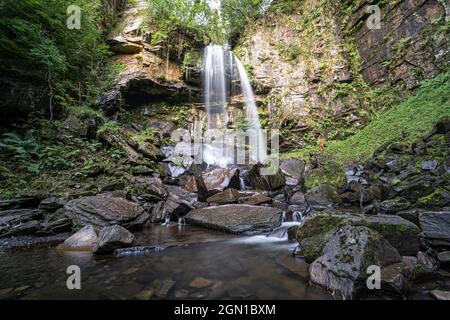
x,y
412,118
39,52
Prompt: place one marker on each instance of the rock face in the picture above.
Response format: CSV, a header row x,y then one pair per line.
x,y
237,219
323,195
402,234
436,227
350,251
83,240
112,238
102,211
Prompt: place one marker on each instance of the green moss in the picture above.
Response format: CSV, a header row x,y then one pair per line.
x,y
439,198
318,225
332,174
412,118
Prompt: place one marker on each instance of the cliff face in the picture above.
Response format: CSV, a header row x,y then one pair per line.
x,y
319,69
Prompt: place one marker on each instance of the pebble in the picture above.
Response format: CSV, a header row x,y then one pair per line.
x,y
200,283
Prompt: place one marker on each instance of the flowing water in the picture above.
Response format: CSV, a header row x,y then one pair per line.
x,y
235,268
224,78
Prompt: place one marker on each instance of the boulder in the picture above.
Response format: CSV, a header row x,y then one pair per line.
x,y
297,198
264,182
346,257
102,211
324,195
112,238
257,200
52,204
120,45
84,240
330,174
402,234
430,165
217,179
397,278
439,198
436,227
237,219
228,196
294,170
444,257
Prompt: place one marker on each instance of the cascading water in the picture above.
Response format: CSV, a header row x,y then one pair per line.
x,y
222,71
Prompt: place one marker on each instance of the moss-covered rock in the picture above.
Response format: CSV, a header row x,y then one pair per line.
x,y
439,198
394,205
402,234
323,195
312,248
332,174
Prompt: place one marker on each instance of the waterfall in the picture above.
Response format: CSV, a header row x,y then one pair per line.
x,y
222,70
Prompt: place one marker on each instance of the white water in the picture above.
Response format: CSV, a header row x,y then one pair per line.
x,y
220,79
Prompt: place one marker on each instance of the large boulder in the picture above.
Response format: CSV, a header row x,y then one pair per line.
x,y
228,196
402,234
83,240
258,181
330,174
112,238
218,179
103,211
436,228
323,195
237,219
294,170
346,257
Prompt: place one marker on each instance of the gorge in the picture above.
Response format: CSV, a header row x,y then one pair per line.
x,y
102,129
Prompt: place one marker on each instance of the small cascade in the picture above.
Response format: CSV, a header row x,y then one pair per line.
x,y
283,217
297,216
243,187
166,221
182,221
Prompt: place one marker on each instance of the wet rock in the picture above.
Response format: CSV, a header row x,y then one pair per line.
x,y
146,294
257,200
402,234
175,207
83,240
441,295
259,181
52,204
396,278
163,287
137,251
394,205
311,248
444,257
54,226
20,222
436,227
200,283
323,195
237,219
112,238
102,211
428,263
350,251
228,196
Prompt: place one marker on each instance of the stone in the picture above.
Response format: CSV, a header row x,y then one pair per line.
x,y
112,238
20,222
259,181
146,294
323,195
439,198
293,168
257,200
237,219
312,248
163,287
394,205
297,198
436,227
102,211
402,234
227,196
444,257
332,174
200,283
350,251
428,263
83,240
52,204
120,45
217,179
410,215
396,278
430,165
441,294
